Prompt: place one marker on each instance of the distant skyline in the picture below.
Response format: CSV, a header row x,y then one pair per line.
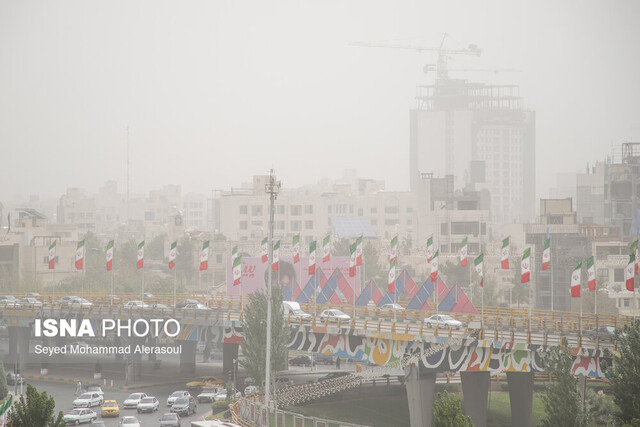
x,y
216,92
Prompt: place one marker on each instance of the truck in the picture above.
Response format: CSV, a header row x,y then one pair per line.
x,y
292,310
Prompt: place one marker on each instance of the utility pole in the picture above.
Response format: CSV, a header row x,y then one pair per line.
x,y
272,187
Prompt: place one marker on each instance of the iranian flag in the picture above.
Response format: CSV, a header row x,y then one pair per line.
x,y
296,248
326,248
575,280
140,262
478,265
591,274
204,256
634,250
629,273
312,258
394,250
392,278
276,257
464,249
546,254
80,255
110,255
429,249
434,266
264,250
52,255
359,250
352,261
525,266
504,254
236,260
173,253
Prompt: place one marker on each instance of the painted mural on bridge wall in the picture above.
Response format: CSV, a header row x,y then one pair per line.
x,y
464,354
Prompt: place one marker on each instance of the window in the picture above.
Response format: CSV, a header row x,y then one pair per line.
x,y
279,225
390,222
464,228
603,273
618,275
256,223
243,225
409,209
256,210
308,225
219,259
280,209
444,229
295,225
308,209
626,302
296,210
390,209
243,209
374,210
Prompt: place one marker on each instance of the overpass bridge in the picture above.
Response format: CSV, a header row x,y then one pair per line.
x,y
512,341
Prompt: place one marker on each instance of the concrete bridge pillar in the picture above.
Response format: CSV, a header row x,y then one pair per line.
x,y
136,359
475,390
421,389
19,346
229,353
187,357
521,397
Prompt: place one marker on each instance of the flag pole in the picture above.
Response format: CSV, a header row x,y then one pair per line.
x,y
315,285
175,285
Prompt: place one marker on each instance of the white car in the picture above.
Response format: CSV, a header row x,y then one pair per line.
x,y
148,404
79,415
76,302
396,307
94,388
177,395
31,302
250,389
87,400
208,394
443,320
135,304
132,401
222,395
334,315
9,301
195,306
129,421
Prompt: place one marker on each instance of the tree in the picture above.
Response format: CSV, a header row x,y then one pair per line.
x,y
454,274
447,412
624,379
38,409
4,390
562,403
185,262
372,270
155,247
255,336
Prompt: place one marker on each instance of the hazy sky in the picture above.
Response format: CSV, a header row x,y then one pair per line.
x,y
217,91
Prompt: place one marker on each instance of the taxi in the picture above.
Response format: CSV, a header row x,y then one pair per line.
x,y
110,408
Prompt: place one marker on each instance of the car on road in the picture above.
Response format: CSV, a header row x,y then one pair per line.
x,y
148,404
250,389
333,315
129,421
602,332
302,360
324,359
196,385
76,302
185,302
132,401
87,400
135,304
9,301
110,408
95,388
30,302
159,306
79,416
195,306
397,307
13,378
170,420
208,394
177,395
66,299
222,395
185,405
333,375
443,320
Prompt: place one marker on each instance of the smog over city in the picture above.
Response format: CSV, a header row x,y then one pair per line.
x,y
385,213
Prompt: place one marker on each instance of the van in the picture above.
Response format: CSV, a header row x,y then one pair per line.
x,y
292,310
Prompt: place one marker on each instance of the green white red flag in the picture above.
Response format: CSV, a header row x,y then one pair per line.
x,y
236,261
629,273
204,256
264,250
591,274
546,254
394,250
312,258
478,264
326,248
634,251
464,250
352,260
359,251
296,248
525,266
504,254
80,255
110,255
429,249
434,266
276,257
173,254
140,262
391,283
52,255
575,280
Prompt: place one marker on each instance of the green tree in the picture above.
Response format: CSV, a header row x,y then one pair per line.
x,y
562,403
454,274
372,269
624,378
38,409
4,390
186,259
447,411
255,336
155,247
